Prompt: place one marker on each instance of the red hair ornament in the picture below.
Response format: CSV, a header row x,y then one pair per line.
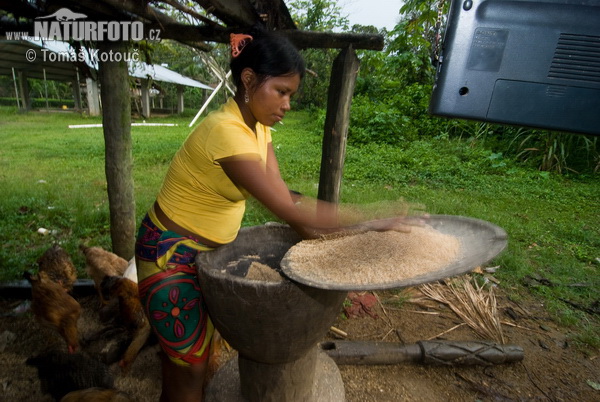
x,y
238,42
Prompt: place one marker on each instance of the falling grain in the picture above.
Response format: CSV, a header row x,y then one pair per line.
x,y
373,257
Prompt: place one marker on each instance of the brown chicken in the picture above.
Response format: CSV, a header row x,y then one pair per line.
x,y
96,395
54,307
131,313
100,263
61,373
57,264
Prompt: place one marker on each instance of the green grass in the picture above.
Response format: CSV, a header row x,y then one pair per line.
x,y
53,177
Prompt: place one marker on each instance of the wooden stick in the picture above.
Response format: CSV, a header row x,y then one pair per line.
x,y
386,335
420,312
510,324
449,330
339,332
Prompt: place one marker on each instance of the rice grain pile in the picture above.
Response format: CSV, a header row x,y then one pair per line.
x,y
262,272
373,257
255,269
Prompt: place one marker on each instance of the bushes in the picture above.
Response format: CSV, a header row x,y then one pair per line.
x,y
558,152
40,102
391,116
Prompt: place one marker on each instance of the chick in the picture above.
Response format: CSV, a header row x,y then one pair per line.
x,y
57,263
131,313
101,263
53,306
96,394
61,373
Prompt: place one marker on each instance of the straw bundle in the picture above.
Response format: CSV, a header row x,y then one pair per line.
x,y
474,304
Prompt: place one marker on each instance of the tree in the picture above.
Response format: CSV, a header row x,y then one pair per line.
x,y
116,120
394,86
317,15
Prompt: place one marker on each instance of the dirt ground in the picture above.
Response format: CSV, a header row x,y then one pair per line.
x,y
552,368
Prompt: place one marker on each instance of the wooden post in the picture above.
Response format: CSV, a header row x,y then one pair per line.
x,y
24,88
46,89
116,120
76,94
92,97
339,99
146,106
15,83
180,101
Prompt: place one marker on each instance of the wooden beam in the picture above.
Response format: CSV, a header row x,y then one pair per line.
x,y
302,39
191,12
140,8
337,121
331,40
275,14
169,28
231,12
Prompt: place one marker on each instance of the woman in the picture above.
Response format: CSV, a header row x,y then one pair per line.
x,y
226,159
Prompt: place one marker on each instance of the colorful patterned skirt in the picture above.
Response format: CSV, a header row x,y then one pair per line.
x,y
170,292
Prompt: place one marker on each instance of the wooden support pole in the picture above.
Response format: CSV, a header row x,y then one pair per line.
x,y
46,89
24,89
180,99
116,120
17,97
76,94
93,99
337,121
146,105
76,91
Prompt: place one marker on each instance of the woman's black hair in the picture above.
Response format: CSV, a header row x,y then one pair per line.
x,y
269,54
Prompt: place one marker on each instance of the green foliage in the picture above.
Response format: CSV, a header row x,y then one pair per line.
x,y
53,89
393,114
393,88
314,88
558,152
40,102
317,15
53,93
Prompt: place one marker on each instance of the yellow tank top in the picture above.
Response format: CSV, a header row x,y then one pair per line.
x,y
196,193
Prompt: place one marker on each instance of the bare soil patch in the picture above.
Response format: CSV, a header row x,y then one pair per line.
x,y
552,369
